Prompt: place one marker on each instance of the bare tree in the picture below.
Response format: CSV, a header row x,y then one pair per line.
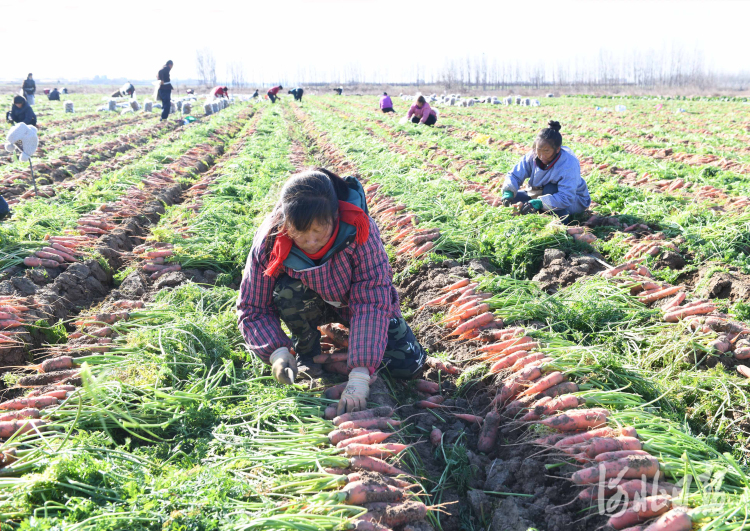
x,y
236,74
200,63
206,64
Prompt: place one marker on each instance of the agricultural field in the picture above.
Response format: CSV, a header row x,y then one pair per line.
x,y
580,376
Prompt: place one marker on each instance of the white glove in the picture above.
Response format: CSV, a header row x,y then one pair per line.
x,y
283,366
354,397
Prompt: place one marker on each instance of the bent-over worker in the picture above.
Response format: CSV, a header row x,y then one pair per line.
x,y
421,112
220,92
273,93
317,259
21,112
386,105
297,93
554,173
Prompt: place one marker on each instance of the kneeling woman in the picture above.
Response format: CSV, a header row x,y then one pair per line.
x,y
554,174
318,259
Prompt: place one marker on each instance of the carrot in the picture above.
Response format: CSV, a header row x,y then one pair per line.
x,y
28,413
395,514
382,411
444,366
661,294
489,432
439,300
675,302
374,464
471,419
509,361
334,393
426,404
639,488
499,347
612,456
436,437
578,420
512,385
50,256
425,386
374,450
460,284
681,313
373,424
471,311
10,323
360,493
552,405
600,445
675,520
473,323
527,360
631,467
336,436
578,438
423,249
511,350
33,402
640,511
331,358
369,437
548,440
9,428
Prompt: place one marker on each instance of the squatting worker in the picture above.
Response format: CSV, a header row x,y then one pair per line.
x,y
554,173
421,112
273,93
54,95
386,105
165,89
20,112
318,259
297,93
126,90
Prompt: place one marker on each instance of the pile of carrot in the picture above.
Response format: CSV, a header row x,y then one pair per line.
x,y
362,436
13,315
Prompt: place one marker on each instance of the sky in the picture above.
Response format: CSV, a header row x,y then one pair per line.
x,y
276,39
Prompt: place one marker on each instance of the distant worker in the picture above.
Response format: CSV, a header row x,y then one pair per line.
x,y
54,95
189,91
126,90
554,174
255,94
64,90
421,112
4,208
338,90
21,112
273,93
220,92
386,105
165,89
28,89
297,93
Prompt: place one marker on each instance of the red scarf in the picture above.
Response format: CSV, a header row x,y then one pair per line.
x,y
348,213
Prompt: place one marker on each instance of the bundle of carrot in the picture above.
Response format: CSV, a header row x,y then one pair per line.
x,y
581,234
13,313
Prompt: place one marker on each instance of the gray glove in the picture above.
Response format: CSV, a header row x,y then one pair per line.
x,y
283,366
354,397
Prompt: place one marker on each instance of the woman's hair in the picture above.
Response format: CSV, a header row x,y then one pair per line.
x,y
385,93
550,135
30,75
168,63
420,99
309,196
18,99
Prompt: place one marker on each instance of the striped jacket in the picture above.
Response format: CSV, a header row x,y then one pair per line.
x,y
357,280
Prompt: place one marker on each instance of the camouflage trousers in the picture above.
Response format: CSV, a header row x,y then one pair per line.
x,y
303,311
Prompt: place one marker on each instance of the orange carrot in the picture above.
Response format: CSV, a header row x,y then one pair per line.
x,y
423,249
550,406
425,386
512,385
579,438
600,445
436,437
661,294
33,402
376,465
508,361
470,311
473,323
641,510
499,347
360,493
471,419
336,436
631,467
10,427
370,424
511,350
28,413
374,450
382,411
370,437
460,284
681,313
545,383
444,366
619,454
578,420
524,361
675,520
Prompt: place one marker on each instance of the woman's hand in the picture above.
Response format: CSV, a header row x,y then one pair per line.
x,y
283,366
354,397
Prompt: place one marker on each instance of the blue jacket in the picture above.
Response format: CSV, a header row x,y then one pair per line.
x,y
25,114
572,192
